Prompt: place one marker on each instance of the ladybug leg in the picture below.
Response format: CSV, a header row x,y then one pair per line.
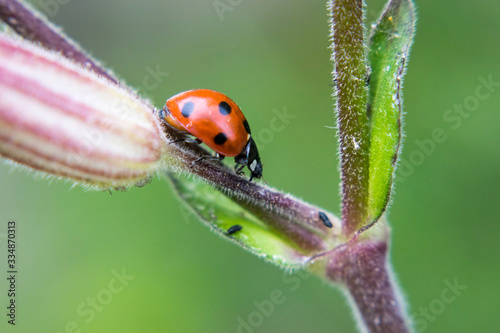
x,y
178,140
188,139
239,169
217,157
196,161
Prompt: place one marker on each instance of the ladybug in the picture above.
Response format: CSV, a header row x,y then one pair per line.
x,y
213,118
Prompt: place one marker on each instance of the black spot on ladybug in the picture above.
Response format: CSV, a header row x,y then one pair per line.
x,y
224,108
326,221
187,109
220,139
234,229
247,127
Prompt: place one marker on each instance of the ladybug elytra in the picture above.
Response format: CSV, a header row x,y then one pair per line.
x,y
217,121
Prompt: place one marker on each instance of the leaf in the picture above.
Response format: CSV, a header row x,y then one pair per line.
x,y
221,213
389,47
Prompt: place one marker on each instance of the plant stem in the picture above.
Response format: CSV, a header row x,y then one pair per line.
x,y
347,30
363,270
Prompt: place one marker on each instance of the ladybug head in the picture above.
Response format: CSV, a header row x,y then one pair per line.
x,y
250,157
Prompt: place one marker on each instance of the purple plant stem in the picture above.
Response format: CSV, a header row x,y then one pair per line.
x,y
361,267
295,219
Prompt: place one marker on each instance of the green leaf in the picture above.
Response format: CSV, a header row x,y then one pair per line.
x,y
221,213
389,47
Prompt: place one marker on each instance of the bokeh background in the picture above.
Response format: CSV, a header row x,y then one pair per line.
x,y
271,57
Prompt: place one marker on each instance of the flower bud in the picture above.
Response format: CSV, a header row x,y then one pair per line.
x,y
59,118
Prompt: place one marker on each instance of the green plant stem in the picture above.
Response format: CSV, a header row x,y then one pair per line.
x,y
348,32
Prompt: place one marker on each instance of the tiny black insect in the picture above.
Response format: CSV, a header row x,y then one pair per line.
x,y
326,221
368,78
234,229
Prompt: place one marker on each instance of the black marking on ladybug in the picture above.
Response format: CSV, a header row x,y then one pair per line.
x,y
234,229
220,139
224,108
187,109
247,127
326,221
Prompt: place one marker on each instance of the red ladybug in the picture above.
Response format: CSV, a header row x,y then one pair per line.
x,y
216,120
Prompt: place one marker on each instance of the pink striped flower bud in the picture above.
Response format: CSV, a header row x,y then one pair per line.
x,y
59,118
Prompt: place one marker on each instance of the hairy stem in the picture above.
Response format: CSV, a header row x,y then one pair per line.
x,y
349,74
363,270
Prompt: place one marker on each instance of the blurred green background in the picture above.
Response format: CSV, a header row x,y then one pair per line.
x,y
270,57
